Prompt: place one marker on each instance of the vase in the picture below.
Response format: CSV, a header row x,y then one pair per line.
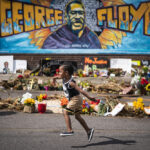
x,y
29,109
41,108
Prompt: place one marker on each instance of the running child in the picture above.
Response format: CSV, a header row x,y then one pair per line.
x,y
72,93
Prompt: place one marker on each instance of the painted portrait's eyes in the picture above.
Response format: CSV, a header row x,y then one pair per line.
x,y
77,12
81,12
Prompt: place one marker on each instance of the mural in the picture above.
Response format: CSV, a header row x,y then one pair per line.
x,y
75,26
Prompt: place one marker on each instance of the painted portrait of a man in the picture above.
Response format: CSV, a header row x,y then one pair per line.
x,y
74,33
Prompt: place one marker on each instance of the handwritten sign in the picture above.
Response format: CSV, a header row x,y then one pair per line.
x,y
124,64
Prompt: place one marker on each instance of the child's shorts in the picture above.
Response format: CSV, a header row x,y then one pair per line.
x,y
75,104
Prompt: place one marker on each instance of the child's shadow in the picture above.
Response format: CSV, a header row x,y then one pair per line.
x,y
110,141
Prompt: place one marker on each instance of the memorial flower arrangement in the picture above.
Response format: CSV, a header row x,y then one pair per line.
x,y
86,108
64,102
148,89
29,105
80,72
141,80
29,102
41,97
85,85
142,85
138,105
20,76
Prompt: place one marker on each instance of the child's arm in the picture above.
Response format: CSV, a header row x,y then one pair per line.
x,y
72,84
54,79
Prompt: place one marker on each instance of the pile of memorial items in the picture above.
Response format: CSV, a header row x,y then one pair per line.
x,y
33,83
26,83
86,85
97,72
139,85
116,71
109,86
111,106
11,104
141,80
29,104
107,106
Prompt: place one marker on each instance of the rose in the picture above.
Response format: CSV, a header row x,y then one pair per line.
x,y
20,76
144,81
44,96
96,103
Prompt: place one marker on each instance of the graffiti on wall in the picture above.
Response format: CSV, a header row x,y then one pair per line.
x,y
75,26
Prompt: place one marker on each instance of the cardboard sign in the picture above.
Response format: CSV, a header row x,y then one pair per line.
x,y
124,64
118,108
20,64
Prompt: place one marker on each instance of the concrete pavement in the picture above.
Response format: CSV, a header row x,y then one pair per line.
x,y
22,131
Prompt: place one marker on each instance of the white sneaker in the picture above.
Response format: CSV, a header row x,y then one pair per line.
x,y
67,133
90,134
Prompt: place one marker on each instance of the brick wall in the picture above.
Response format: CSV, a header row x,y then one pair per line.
x,y
33,59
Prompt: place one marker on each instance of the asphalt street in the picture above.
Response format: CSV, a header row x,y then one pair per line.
x,y
22,131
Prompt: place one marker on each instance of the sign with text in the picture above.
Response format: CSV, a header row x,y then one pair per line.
x,y
124,64
96,61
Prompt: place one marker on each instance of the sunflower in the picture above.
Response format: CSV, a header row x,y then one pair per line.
x,y
29,102
140,99
148,87
40,98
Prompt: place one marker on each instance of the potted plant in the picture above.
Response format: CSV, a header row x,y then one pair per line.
x,y
29,105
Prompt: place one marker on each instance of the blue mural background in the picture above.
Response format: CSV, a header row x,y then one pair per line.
x,y
133,43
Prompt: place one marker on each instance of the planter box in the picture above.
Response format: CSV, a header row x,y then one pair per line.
x,y
29,109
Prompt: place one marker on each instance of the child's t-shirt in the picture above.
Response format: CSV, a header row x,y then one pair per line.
x,y
68,90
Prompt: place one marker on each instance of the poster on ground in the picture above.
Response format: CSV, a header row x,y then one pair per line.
x,y
75,26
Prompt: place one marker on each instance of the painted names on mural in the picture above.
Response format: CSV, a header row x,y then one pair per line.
x,y
125,17
18,17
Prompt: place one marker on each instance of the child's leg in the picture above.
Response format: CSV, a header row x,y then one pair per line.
x,y
82,122
67,120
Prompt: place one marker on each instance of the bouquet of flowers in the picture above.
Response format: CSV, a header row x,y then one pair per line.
x,y
86,108
29,102
20,77
42,97
64,102
138,105
29,105
142,85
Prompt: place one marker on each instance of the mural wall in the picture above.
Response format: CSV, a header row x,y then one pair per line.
x,y
76,26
